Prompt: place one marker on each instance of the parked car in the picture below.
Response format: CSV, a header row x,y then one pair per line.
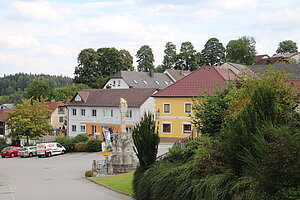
x,y
10,151
48,149
27,151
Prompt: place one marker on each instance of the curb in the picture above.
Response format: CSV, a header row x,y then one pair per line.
x,y
108,187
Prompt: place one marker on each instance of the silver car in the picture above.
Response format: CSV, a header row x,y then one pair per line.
x,y
27,151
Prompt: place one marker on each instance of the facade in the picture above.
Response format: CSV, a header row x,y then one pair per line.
x,y
58,118
3,118
133,79
93,111
173,105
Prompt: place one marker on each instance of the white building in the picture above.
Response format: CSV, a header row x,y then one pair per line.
x,y
93,110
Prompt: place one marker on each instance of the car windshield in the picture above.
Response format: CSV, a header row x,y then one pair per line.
x,y
23,149
6,148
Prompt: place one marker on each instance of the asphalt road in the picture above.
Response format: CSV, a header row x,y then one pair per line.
x,y
55,178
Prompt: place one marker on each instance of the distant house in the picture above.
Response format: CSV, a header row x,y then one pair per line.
x,y
3,119
133,79
58,118
173,105
92,111
282,58
7,106
236,68
295,55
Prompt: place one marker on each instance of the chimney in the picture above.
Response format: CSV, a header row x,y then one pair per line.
x,y
151,73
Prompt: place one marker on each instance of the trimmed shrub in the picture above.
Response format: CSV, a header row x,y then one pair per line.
x,y
67,142
93,145
89,173
81,138
80,146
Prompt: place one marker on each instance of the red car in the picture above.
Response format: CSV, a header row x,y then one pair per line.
x,y
11,151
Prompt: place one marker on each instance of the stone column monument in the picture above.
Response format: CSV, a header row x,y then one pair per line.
x,y
123,158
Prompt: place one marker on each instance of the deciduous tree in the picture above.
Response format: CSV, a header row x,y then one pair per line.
x,y
213,52
187,58
145,59
241,51
170,56
38,90
287,46
29,119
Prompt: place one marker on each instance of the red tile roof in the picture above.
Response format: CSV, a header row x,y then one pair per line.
x,y
53,104
3,114
203,79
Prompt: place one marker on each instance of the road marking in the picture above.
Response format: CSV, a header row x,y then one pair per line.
x,y
6,192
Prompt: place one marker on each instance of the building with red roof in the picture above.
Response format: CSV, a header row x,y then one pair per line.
x,y
58,118
173,105
3,119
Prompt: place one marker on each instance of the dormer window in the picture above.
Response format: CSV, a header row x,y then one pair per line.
x,y
145,82
78,98
157,82
166,83
135,81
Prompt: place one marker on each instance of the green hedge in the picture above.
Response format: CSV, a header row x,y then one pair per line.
x,y
93,145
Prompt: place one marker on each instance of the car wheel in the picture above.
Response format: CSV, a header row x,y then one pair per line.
x,y
12,155
49,154
22,156
30,155
39,156
63,152
3,156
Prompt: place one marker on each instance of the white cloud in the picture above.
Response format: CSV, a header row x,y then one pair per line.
x,y
57,50
39,10
10,59
207,13
237,4
19,41
281,16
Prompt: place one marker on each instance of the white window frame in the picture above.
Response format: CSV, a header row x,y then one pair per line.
x,y
186,123
93,113
185,109
74,127
78,98
129,114
74,110
164,108
82,129
145,82
111,113
135,81
60,119
162,127
82,112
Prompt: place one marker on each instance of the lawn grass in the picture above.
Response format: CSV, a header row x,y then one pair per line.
x,y
121,182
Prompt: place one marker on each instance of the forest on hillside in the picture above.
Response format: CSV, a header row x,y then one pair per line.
x,y
18,82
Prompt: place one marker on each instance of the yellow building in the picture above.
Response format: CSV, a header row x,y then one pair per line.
x,y
173,105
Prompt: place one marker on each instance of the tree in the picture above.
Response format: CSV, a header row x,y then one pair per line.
x,y
101,64
29,119
145,59
87,70
241,51
213,52
38,90
287,46
187,58
145,138
170,56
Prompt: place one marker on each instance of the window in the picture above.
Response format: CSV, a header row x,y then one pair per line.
x,y
129,113
61,119
166,127
187,107
167,108
135,81
108,113
78,98
74,128
119,82
114,83
94,129
157,82
187,128
166,82
61,110
94,113
74,112
82,112
145,82
82,129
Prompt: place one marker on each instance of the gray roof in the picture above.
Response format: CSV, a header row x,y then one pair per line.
x,y
143,79
241,68
294,69
135,97
177,74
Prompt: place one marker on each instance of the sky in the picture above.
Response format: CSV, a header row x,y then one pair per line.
x,y
38,36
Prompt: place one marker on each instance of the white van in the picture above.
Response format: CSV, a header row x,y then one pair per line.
x,y
48,149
